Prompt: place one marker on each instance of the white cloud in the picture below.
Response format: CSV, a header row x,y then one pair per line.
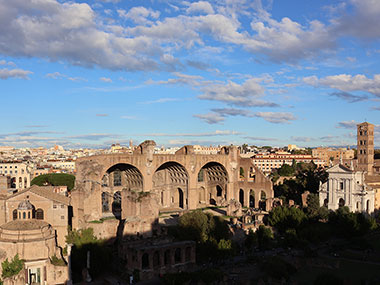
x,y
362,22
200,7
6,73
139,15
246,94
210,118
276,118
347,124
348,83
55,75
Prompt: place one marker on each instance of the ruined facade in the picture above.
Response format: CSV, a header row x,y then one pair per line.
x,y
137,187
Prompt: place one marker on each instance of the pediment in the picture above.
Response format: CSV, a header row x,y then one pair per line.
x,y
338,168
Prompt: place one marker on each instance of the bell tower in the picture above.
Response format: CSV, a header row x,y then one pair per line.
x,y
365,150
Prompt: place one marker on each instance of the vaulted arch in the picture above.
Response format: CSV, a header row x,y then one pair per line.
x,y
213,180
171,181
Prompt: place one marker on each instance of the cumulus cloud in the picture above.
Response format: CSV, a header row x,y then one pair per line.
x,y
362,22
74,32
200,7
67,31
347,83
55,75
6,73
246,94
139,15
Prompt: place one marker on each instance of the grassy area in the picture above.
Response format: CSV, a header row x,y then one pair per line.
x,y
102,220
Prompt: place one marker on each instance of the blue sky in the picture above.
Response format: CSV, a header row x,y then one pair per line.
x,y
92,73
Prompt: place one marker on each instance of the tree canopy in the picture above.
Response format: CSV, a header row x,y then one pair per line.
x,y
55,179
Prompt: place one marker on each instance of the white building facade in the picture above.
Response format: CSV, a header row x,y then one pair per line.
x,y
346,187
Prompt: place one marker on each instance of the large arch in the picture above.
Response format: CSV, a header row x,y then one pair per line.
x,y
263,200
213,181
117,178
171,181
123,175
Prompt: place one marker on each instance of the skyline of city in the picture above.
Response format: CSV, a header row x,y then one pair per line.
x,y
93,73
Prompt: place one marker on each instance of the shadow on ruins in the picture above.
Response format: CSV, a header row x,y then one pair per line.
x,y
130,200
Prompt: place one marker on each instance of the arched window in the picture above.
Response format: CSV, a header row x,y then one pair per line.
x,y
105,202
25,182
14,214
219,191
367,206
241,197
39,214
167,257
177,256
341,202
263,201
188,254
156,259
201,175
145,261
117,178
241,174
180,198
251,198
23,215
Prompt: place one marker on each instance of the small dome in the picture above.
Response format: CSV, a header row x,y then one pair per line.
x,y
25,205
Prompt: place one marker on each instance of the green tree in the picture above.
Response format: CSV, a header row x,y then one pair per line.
x,y
84,240
13,267
284,218
55,179
264,236
286,170
312,209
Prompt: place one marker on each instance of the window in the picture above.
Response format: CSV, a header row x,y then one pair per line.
x,y
39,214
62,206
341,185
62,217
54,206
117,178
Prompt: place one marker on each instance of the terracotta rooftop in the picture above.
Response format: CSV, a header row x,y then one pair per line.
x,y
46,192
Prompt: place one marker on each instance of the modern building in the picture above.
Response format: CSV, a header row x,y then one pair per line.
x,y
271,161
333,155
20,174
